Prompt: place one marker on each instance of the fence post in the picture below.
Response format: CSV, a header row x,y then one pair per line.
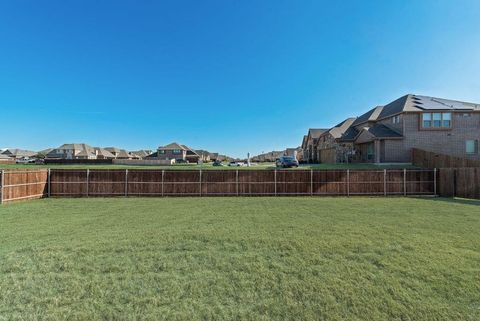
x,y
404,182
385,182
49,184
454,182
200,180
163,174
88,177
1,186
275,177
236,180
126,182
348,182
311,182
435,181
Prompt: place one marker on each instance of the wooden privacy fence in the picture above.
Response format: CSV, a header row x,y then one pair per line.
x,y
105,183
459,182
422,158
80,183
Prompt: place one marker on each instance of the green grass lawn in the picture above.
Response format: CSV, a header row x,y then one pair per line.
x,y
240,259
206,166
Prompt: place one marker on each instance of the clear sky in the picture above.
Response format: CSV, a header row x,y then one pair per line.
x,y
227,76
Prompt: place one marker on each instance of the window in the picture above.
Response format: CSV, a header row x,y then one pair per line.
x,y
161,151
471,146
370,151
466,115
446,120
437,120
427,120
177,151
396,119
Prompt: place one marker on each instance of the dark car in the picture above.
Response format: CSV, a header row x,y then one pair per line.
x,y
287,161
217,163
181,161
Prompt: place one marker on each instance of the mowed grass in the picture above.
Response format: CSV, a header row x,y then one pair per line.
x,y
240,259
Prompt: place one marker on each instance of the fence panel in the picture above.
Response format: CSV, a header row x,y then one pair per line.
x,y
23,184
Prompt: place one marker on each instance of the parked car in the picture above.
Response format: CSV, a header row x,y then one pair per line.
x,y
286,161
234,164
181,161
217,163
25,160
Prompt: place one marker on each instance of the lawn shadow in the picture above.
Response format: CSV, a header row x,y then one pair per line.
x,y
465,201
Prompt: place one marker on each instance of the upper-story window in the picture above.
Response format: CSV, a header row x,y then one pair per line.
x,y
177,151
437,120
396,119
161,151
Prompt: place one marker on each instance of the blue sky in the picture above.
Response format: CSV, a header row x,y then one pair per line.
x,y
227,76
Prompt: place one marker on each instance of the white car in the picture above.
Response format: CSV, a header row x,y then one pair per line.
x,y
25,160
235,164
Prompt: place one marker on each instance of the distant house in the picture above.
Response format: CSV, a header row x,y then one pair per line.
x,y
311,144
102,153
268,157
170,151
140,154
18,153
119,153
72,151
6,159
192,156
387,134
294,152
204,155
304,147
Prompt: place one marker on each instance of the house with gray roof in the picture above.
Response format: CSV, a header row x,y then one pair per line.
x,y
387,134
18,153
327,145
311,144
72,151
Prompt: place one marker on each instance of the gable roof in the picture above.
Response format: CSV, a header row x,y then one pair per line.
x,y
371,115
315,132
304,141
140,153
172,146
16,152
338,130
190,151
103,152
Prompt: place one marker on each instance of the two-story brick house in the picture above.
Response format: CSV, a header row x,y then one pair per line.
x,y
387,134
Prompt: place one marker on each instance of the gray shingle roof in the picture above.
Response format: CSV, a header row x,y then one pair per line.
x,y
316,132
414,103
349,135
15,152
371,115
173,146
382,131
339,129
